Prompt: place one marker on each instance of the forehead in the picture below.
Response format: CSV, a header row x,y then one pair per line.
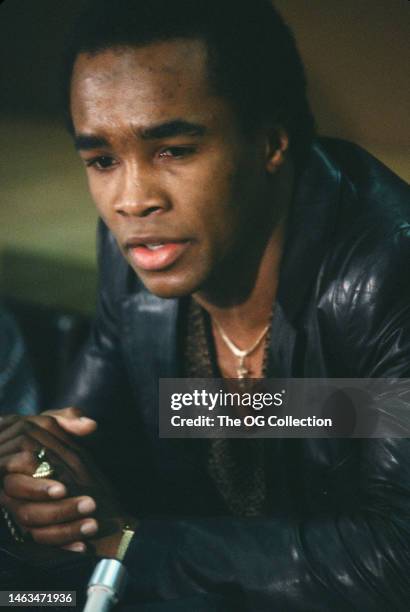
x,y
144,84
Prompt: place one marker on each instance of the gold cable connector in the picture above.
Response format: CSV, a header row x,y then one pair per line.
x,y
127,535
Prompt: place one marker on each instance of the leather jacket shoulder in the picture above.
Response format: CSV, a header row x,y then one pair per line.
x,y
343,286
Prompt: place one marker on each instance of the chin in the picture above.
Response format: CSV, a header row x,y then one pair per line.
x,y
168,285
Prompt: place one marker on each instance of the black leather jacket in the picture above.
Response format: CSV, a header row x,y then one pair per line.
x,y
338,537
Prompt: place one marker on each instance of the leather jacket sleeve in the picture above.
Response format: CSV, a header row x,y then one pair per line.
x,y
18,390
98,379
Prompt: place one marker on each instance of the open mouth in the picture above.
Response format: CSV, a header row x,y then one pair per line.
x,y
157,255
154,247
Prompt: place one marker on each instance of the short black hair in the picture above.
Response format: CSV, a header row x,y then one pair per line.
x,y
252,55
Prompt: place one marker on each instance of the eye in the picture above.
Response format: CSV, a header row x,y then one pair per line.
x,y
102,162
176,152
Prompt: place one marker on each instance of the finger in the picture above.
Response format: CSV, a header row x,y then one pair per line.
x,y
65,533
72,420
22,426
19,443
23,487
31,437
23,462
45,431
65,455
26,462
71,412
81,426
12,429
79,547
6,421
52,513
49,423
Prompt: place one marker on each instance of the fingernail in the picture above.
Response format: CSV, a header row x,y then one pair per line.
x,y
86,505
89,527
56,490
77,547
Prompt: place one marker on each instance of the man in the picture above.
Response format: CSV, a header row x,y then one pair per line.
x,y
224,229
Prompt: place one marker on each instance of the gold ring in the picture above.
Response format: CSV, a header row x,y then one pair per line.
x,y
44,469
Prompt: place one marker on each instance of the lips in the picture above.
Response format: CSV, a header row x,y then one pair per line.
x,y
156,254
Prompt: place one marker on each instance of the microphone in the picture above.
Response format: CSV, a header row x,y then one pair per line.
x,y
108,580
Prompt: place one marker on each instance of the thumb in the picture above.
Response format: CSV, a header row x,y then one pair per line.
x,y
72,421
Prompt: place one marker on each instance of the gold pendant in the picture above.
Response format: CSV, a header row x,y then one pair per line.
x,y
242,371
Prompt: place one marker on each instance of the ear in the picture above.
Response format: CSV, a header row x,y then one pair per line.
x,y
277,145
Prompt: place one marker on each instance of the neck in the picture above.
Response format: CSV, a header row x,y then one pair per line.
x,y
242,298
245,318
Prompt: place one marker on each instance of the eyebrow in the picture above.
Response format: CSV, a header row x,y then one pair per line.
x,y
178,127
170,129
87,142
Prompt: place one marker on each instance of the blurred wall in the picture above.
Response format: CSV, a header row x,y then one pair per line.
x,y
357,54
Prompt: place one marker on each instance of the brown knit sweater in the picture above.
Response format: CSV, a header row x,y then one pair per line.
x,y
236,466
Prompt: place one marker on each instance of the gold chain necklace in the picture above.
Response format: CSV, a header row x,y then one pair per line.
x,y
241,354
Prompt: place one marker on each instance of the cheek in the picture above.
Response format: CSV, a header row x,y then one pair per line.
x,y
225,203
208,190
100,193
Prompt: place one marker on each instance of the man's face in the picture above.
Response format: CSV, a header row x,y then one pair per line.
x,y
171,172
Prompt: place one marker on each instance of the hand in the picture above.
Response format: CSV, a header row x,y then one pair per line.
x,y
42,508
51,511
22,437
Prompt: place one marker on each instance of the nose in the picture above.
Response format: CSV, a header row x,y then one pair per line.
x,y
140,193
